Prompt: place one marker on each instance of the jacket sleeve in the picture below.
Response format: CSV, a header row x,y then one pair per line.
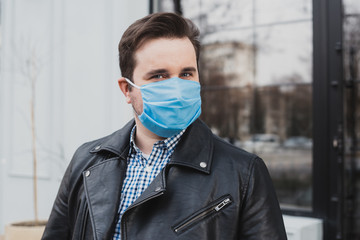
x,y
261,217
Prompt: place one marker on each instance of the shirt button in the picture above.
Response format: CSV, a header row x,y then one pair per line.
x,y
148,169
87,173
203,164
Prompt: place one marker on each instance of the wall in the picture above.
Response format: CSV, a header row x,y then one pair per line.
x,y
69,47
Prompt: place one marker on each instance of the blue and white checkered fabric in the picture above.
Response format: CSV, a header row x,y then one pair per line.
x,y
141,171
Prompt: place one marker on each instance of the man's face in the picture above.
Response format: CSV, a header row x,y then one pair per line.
x,y
161,59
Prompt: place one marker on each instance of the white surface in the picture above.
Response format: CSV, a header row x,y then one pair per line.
x,y
78,98
303,228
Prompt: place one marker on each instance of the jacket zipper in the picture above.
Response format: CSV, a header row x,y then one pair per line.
x,y
215,208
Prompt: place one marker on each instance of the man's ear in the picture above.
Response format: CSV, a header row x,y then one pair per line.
x,y
124,87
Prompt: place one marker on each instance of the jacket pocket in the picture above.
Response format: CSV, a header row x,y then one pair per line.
x,y
213,208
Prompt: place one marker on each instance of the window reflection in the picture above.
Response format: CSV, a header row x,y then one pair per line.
x,y
351,57
256,73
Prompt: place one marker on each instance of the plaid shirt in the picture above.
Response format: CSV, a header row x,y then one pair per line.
x,y
142,170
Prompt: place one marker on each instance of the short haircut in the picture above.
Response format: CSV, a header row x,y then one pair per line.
x,y
153,26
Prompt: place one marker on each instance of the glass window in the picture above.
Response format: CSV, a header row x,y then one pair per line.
x,y
256,73
351,54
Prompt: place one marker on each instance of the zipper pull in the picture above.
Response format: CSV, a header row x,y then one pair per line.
x,y
222,204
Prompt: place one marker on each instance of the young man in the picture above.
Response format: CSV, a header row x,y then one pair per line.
x,y
164,175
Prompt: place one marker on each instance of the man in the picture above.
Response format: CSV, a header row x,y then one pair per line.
x,y
164,175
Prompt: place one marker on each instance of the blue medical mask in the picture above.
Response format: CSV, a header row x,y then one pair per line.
x,y
170,105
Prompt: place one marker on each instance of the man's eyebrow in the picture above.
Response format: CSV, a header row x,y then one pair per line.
x,y
163,70
189,69
156,71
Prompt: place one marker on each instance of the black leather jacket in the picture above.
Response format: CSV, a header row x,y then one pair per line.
x,y
209,190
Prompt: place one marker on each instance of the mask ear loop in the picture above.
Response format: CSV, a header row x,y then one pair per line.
x,y
135,86
132,84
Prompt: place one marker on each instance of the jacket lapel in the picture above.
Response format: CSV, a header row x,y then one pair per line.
x,y
155,189
195,148
103,182
103,188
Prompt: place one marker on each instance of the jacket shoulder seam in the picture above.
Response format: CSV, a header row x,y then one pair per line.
x,y
250,172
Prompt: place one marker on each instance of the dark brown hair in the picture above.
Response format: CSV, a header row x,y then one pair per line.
x,y
156,25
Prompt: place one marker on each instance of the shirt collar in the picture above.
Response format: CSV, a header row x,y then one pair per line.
x,y
169,143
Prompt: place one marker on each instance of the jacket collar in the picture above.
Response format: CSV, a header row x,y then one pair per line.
x,y
117,143
194,150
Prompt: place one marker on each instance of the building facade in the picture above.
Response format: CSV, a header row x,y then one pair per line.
x,y
62,56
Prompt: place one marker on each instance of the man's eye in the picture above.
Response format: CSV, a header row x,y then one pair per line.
x,y
158,76
186,74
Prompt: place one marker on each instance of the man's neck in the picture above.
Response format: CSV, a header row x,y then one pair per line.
x,y
144,138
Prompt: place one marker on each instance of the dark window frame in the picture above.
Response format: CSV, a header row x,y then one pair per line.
x,y
328,152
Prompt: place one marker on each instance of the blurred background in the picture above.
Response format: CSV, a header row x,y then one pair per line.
x,y
279,78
